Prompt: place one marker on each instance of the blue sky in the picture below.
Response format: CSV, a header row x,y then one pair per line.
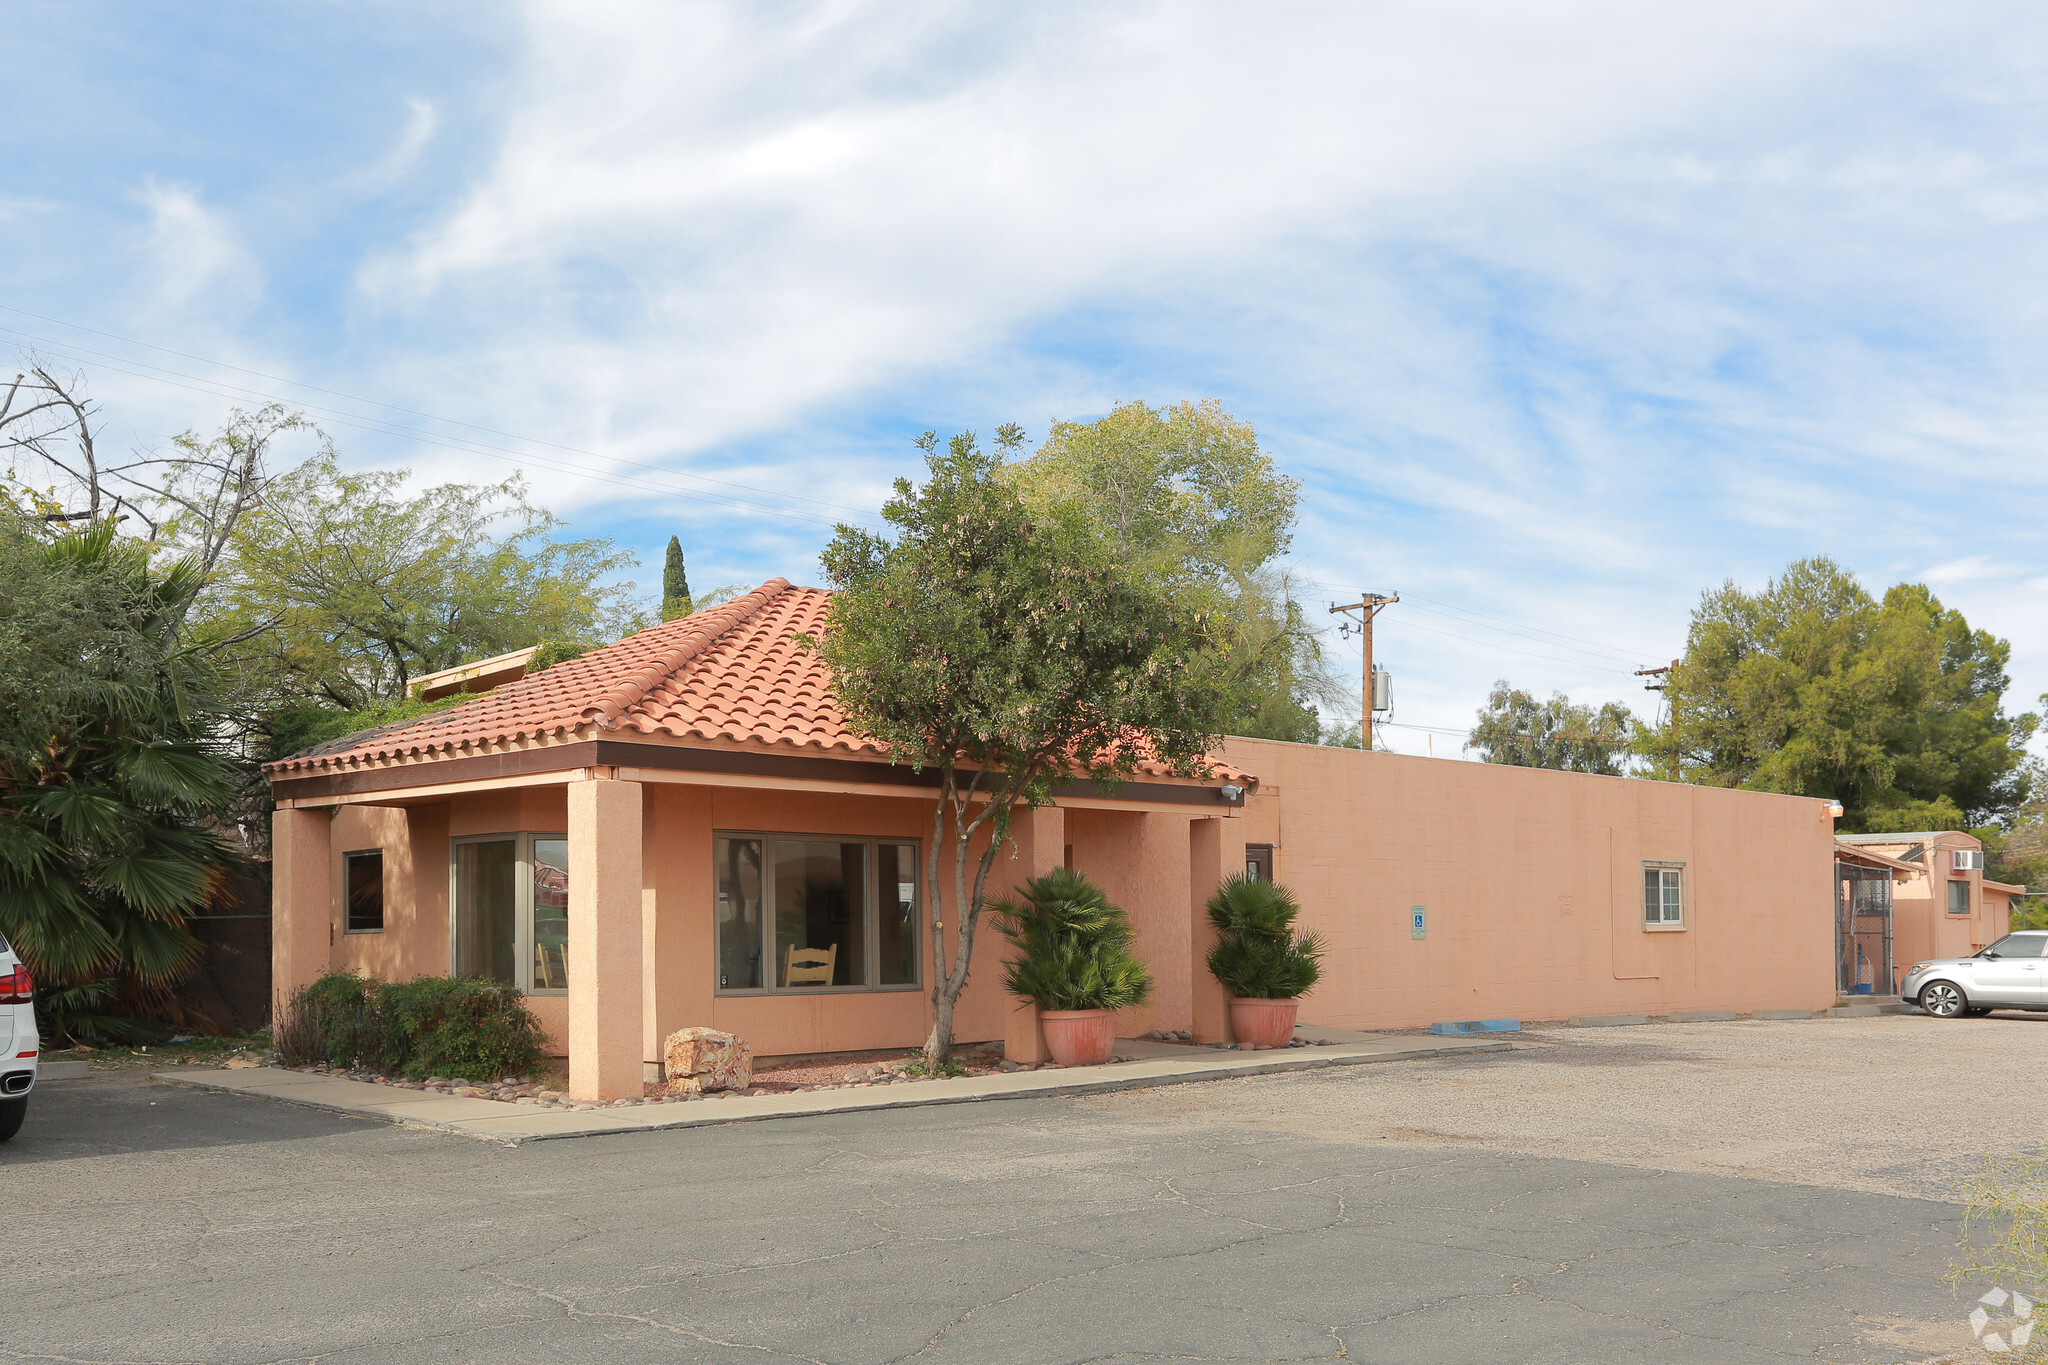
x,y
1561,314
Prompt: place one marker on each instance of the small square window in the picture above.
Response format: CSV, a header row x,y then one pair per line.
x,y
1663,897
1959,897
365,880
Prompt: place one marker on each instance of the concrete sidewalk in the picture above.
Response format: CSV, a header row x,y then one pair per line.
x,y
1153,1064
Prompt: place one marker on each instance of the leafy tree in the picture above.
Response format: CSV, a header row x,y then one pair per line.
x,y
1008,649
1186,494
342,588
675,584
1893,708
1515,728
304,725
110,790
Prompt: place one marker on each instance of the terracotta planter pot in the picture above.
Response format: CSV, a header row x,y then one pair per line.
x,y
1261,1024
1079,1037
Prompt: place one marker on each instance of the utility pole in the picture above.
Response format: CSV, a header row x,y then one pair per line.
x,y
1359,616
1663,677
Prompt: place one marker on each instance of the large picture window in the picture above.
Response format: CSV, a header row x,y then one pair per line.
x,y
510,894
801,912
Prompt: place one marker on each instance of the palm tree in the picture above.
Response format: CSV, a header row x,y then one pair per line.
x,y
110,791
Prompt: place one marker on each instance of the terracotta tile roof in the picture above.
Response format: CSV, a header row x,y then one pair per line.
x,y
733,673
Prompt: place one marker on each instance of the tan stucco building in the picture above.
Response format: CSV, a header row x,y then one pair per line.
x,y
642,838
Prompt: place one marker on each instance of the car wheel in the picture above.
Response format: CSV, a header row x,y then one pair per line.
x,y
11,1114
1944,1000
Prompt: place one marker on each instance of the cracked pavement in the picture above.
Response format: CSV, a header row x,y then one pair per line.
x,y
1198,1223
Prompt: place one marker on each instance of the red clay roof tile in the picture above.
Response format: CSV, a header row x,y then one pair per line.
x,y
731,673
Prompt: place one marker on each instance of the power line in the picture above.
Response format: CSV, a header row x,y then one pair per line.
x,y
1510,649
1506,625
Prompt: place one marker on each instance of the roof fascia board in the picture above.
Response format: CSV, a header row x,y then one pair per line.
x,y
556,763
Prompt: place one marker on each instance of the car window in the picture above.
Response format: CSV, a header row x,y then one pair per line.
x,y
2019,945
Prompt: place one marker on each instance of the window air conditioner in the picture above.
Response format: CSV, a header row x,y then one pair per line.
x,y
1966,860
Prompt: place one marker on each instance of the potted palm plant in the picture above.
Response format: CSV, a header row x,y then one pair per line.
x,y
1074,961
1260,960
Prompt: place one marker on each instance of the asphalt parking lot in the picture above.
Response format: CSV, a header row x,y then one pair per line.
x,y
1524,1208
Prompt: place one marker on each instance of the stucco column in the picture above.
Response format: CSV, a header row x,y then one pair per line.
x,y
605,985
1041,837
1215,851
301,900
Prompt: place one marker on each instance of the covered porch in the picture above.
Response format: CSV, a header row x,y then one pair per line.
x,y
631,887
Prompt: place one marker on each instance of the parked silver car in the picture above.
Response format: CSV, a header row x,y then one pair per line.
x,y
2012,974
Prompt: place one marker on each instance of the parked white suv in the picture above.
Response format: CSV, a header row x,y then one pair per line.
x,y
2012,974
18,1032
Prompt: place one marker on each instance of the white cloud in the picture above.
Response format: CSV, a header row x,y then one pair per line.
x,y
783,214
192,254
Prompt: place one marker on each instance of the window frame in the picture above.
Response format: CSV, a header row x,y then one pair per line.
x,y
383,898
522,903
1968,907
1663,926
871,944
1259,856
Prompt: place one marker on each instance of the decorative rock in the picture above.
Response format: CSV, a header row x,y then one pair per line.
x,y
699,1060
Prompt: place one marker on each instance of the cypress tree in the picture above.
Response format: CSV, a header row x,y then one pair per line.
x,y
675,584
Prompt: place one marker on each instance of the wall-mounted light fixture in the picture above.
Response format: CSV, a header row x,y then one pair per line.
x,y
1231,792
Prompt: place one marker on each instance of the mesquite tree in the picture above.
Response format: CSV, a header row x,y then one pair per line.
x,y
1010,651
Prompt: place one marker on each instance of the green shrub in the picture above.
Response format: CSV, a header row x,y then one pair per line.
x,y
1074,947
429,1026
457,1026
1258,955
332,1020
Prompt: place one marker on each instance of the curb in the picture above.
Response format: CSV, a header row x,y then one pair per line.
x,y
1606,1020
714,1118
1784,1014
1704,1016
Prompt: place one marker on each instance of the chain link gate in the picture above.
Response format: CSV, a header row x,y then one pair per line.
x,y
1863,930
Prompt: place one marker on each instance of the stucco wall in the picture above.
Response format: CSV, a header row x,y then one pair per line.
x,y
1922,928
1532,883
677,828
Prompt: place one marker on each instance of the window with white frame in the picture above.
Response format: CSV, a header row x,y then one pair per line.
x,y
809,913
510,920
1663,895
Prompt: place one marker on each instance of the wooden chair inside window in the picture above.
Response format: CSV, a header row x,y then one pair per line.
x,y
809,966
550,966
